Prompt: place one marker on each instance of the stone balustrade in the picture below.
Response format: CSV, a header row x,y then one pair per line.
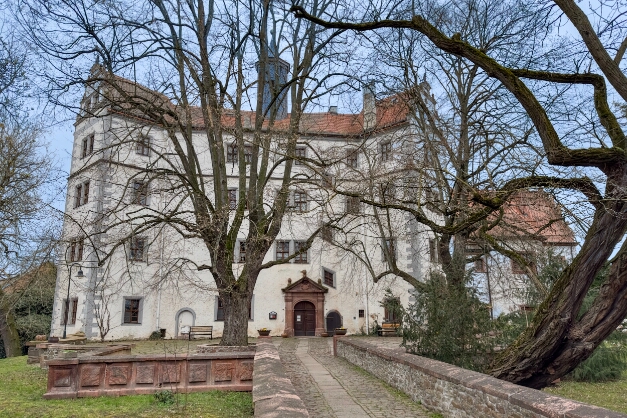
x,y
456,392
143,374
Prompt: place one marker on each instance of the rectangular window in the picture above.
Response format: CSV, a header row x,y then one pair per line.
x,y
76,249
390,246
433,250
329,278
231,153
242,251
73,309
300,201
131,311
326,180
232,199
78,192
351,158
300,154
300,258
388,192
362,313
391,315
140,193
220,309
143,146
137,252
85,192
282,250
385,149
326,233
517,268
353,205
88,146
481,266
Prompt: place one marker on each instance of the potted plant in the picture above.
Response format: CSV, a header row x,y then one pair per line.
x,y
340,331
263,332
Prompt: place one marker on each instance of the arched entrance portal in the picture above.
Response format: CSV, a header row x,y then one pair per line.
x,y
304,319
334,320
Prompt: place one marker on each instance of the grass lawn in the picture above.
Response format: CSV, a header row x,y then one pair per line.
x,y
22,387
610,395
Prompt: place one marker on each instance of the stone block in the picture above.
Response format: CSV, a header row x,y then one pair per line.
x,y
90,376
222,372
145,374
197,373
118,374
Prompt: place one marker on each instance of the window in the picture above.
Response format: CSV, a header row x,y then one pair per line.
x,y
88,146
481,266
282,250
362,313
328,278
76,249
131,311
143,146
351,158
232,199
390,313
219,311
390,246
300,201
517,268
242,251
433,250
353,205
136,253
385,149
300,154
231,153
326,233
326,180
73,309
81,194
300,258
388,192
140,193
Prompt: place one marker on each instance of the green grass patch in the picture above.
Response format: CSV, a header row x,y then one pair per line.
x,y
22,387
610,395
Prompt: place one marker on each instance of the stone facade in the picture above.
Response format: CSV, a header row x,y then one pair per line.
x,y
132,375
456,392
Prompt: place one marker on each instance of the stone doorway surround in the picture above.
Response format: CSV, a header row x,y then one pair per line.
x,y
306,290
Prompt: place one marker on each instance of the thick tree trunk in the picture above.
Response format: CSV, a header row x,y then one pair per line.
x,y
8,331
235,318
556,341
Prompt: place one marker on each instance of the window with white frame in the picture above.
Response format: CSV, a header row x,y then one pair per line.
x,y
385,151
137,250
69,311
351,158
76,249
242,252
300,201
132,310
232,198
87,146
328,277
389,246
282,250
140,193
81,194
353,205
300,153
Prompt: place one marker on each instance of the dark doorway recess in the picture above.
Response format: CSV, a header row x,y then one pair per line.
x,y
304,319
334,320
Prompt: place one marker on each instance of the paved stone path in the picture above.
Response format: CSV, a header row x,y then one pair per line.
x,y
331,387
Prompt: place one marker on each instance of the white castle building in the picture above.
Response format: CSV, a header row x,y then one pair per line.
x,y
151,281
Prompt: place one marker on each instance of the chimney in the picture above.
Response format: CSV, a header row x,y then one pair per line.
x,y
370,106
333,110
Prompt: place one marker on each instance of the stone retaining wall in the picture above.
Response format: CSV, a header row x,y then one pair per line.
x,y
274,395
132,375
456,392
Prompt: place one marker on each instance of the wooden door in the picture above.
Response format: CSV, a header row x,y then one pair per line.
x,y
304,319
334,320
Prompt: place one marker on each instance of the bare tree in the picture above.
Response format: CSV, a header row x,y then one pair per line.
x,y
224,170
558,339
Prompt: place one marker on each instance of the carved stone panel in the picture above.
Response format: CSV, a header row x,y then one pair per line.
x,y
197,373
90,376
222,372
61,378
145,374
118,374
170,373
246,371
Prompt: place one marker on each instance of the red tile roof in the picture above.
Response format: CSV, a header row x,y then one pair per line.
x,y
531,214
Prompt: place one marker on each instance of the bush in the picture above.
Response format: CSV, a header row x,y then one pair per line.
x,y
449,324
165,397
156,335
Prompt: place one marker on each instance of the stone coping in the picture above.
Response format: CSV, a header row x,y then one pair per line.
x,y
274,395
149,357
407,372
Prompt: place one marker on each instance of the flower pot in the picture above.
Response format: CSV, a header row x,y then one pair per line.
x,y
340,331
324,334
263,333
284,335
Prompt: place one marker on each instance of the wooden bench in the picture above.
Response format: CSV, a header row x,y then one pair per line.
x,y
389,329
201,330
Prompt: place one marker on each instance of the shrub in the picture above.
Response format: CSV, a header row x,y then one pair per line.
x,y
156,335
165,397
